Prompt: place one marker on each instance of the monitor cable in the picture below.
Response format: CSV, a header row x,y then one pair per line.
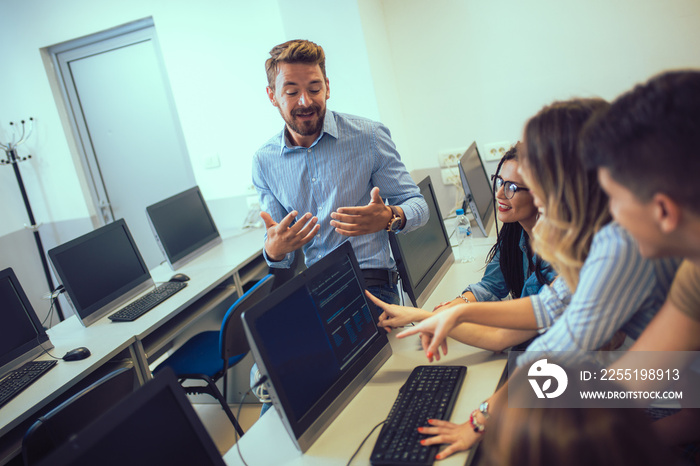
x,y
363,442
53,297
261,381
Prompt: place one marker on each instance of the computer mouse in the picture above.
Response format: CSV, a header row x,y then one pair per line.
x,y
179,277
77,354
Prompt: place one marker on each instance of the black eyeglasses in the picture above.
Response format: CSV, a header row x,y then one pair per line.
x,y
509,188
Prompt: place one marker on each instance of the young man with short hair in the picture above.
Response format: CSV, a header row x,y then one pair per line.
x,y
646,149
337,168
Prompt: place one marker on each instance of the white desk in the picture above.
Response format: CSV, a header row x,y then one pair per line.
x,y
267,442
216,276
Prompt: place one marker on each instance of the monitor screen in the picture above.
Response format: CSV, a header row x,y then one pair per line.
x,y
183,226
155,425
423,256
21,332
317,341
101,270
477,189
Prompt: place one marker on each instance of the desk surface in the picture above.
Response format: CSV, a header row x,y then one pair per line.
x,y
267,441
106,339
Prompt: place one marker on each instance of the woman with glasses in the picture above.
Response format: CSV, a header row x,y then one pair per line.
x,y
604,285
512,268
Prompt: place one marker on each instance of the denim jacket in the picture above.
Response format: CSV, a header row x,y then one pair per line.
x,y
492,286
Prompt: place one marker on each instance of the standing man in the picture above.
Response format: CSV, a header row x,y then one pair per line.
x,y
337,168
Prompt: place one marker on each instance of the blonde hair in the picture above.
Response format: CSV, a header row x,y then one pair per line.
x,y
575,205
294,51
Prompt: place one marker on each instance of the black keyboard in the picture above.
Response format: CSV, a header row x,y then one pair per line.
x,y
21,378
429,393
147,302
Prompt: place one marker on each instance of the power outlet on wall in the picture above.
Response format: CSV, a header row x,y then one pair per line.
x,y
450,176
450,158
495,150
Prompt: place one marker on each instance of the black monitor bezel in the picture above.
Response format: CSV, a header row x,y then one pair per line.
x,y
31,349
419,290
178,260
306,430
103,428
117,298
483,219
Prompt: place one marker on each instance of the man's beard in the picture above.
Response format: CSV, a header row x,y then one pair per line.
x,y
306,128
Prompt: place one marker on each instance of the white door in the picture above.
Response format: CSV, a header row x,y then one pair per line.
x,y
126,125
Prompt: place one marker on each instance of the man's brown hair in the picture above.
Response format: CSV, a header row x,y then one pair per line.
x,y
294,51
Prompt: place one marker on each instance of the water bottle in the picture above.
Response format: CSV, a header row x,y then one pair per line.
x,y
464,237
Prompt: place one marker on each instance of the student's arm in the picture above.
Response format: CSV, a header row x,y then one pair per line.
x,y
614,283
670,330
490,338
667,342
492,286
514,314
481,336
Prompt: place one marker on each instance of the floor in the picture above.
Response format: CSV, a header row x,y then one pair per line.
x,y
218,424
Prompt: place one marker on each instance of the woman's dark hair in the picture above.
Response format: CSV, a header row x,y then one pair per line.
x,y
508,244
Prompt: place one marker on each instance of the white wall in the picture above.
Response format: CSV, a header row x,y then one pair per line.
x,y
476,70
439,73
214,52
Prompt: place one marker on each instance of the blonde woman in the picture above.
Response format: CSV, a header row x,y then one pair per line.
x,y
604,284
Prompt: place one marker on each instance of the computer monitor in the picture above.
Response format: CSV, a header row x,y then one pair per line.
x,y
155,425
101,271
423,256
477,189
316,339
183,226
22,337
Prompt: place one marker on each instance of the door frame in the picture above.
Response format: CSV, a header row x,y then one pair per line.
x,y
58,57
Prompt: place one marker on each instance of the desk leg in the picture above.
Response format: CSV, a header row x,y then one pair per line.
x,y
138,355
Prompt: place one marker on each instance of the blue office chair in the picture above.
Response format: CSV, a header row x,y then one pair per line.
x,y
208,355
54,428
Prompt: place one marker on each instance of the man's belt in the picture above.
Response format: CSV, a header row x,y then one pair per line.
x,y
374,277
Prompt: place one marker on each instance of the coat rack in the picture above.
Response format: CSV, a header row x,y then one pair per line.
x,y
14,160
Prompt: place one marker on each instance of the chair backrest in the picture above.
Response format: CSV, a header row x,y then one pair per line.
x,y
232,339
73,415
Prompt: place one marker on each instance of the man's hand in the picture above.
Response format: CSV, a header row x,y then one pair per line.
x,y
283,238
357,221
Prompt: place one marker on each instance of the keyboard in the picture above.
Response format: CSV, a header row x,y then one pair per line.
x,y
147,302
429,393
21,378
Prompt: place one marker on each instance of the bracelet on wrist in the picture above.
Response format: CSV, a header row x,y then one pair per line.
x,y
464,298
484,409
476,425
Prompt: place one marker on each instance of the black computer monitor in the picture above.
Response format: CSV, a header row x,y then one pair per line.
x,y
423,256
101,271
22,337
155,425
477,189
316,339
183,226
